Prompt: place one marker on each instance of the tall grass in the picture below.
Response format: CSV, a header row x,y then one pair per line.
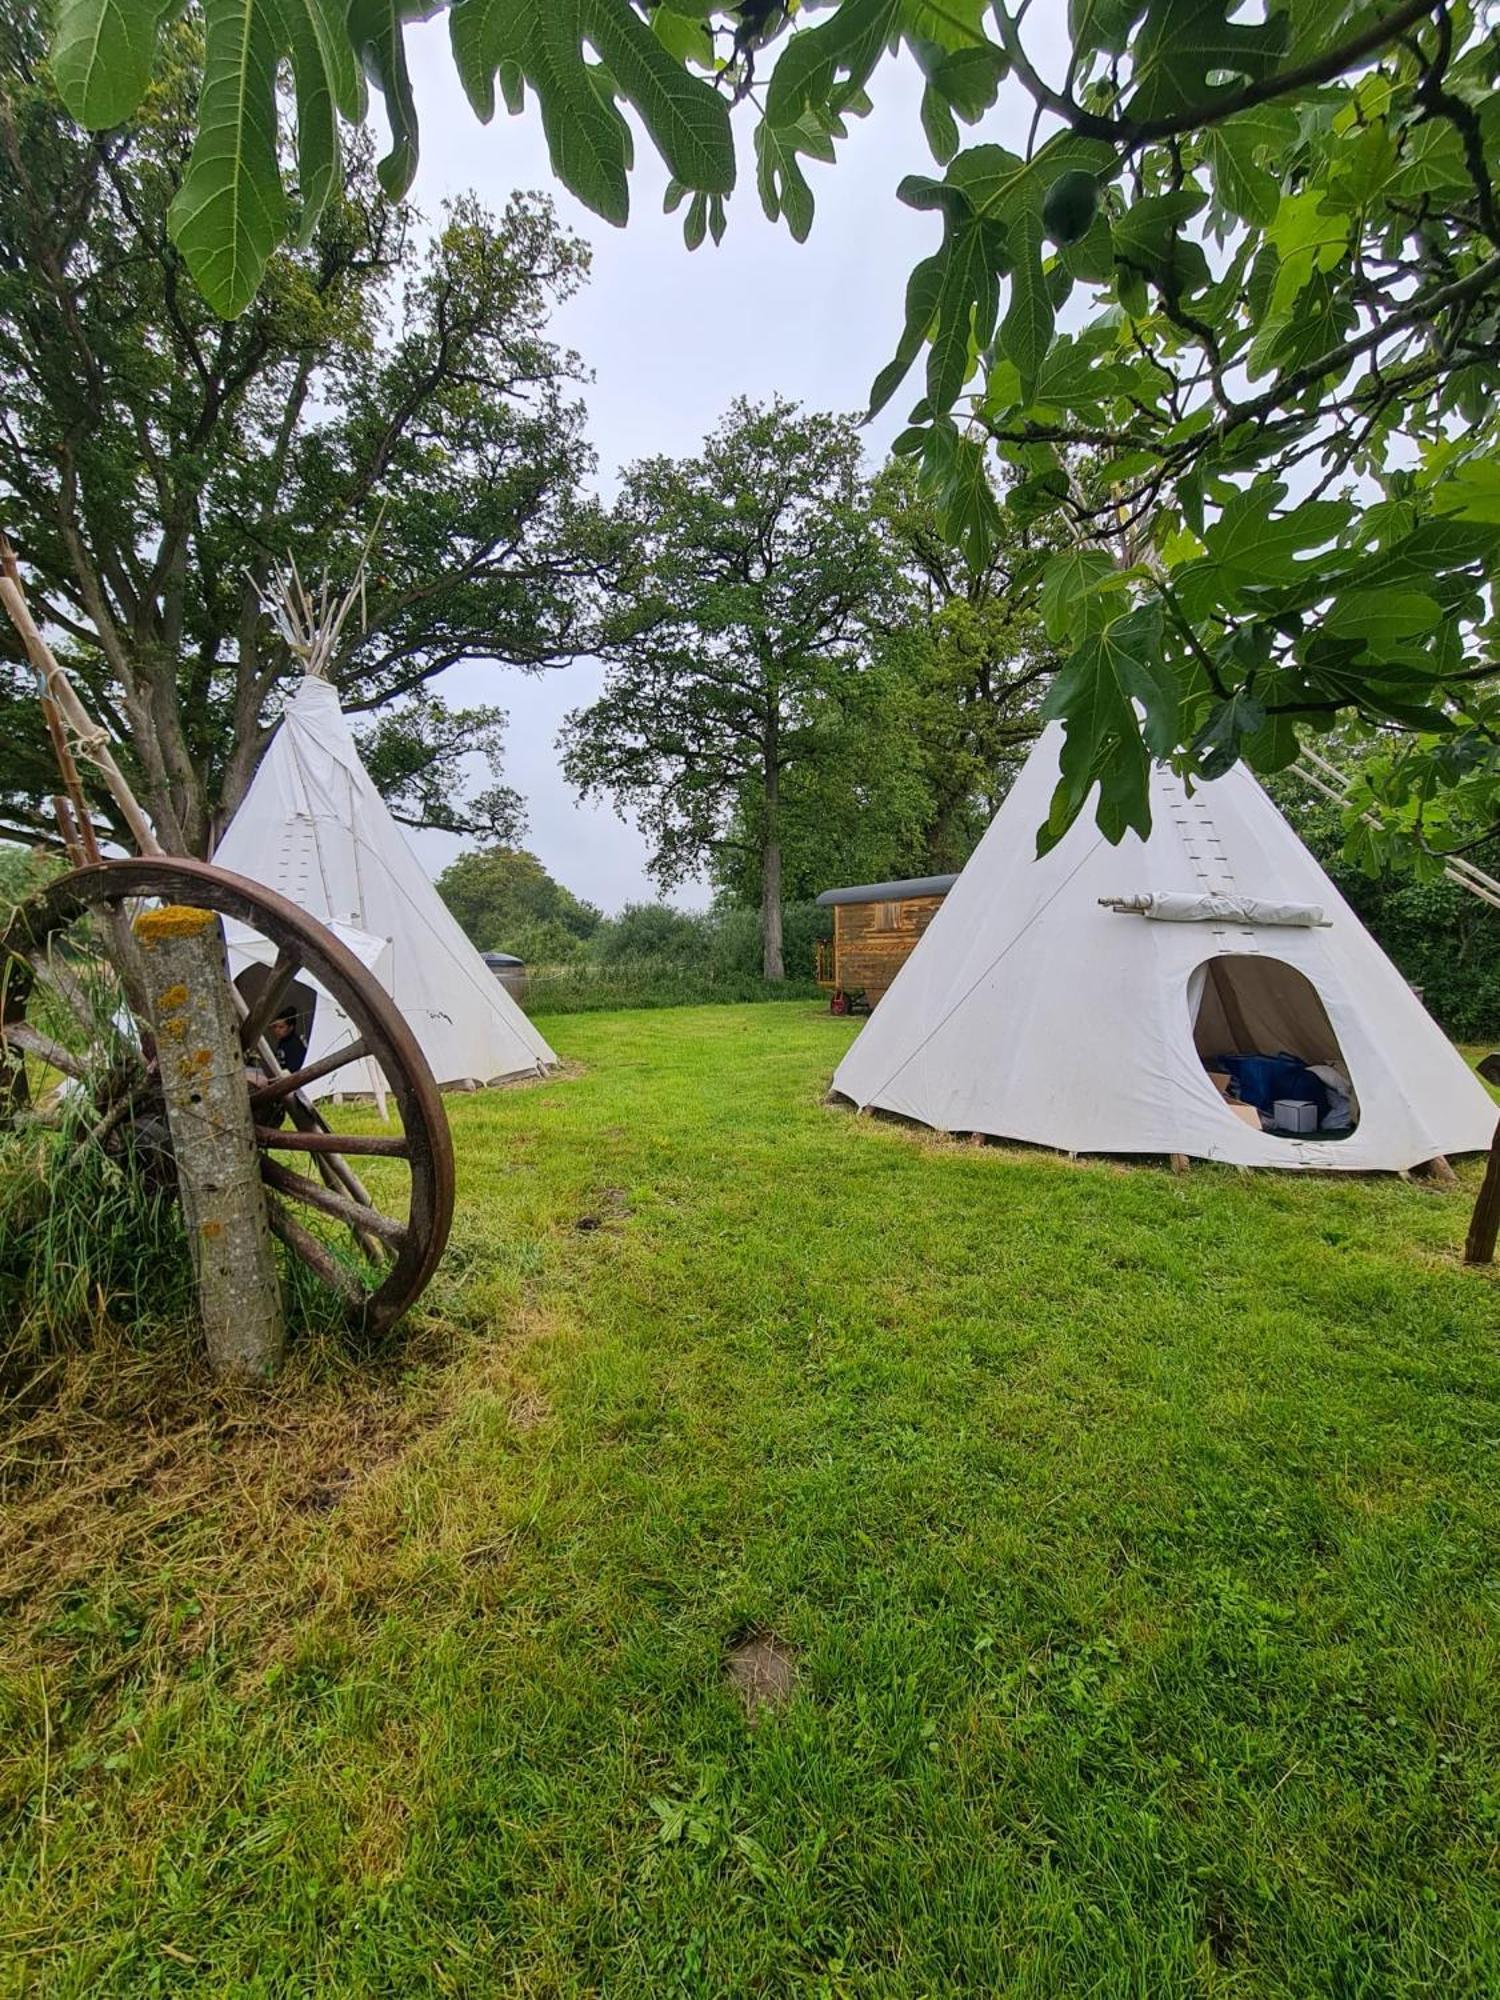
x,y
93,1247
89,1240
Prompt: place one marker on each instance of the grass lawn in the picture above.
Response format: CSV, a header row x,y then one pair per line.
x,y
1136,1541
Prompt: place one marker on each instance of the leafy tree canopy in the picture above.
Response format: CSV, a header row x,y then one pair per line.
x,y
156,460
1249,267
915,771
736,633
506,901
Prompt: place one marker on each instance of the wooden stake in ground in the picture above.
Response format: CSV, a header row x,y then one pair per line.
x,y
1484,1225
213,1139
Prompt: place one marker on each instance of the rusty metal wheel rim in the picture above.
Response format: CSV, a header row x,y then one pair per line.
x,y
303,947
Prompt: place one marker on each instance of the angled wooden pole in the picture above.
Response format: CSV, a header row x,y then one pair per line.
x,y
1484,1225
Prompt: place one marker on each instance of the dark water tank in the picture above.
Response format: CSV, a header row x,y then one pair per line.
x,y
509,970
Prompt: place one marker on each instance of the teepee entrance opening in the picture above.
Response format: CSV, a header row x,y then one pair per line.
x,y
299,1004
1264,1036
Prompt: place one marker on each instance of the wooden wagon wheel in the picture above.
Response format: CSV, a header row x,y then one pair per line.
x,y
400,1254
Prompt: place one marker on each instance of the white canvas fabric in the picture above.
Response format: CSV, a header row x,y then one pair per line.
x,y
331,1027
1029,1012
313,827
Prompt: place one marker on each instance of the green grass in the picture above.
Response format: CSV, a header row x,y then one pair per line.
x,y
1136,1537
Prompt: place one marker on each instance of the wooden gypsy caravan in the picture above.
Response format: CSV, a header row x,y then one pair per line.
x,y
876,927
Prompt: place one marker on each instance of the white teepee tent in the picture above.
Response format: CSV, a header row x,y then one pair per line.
x,y
1033,1010
313,827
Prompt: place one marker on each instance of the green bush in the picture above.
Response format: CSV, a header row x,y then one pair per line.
x,y
1441,938
587,987
654,956
23,872
651,933
733,939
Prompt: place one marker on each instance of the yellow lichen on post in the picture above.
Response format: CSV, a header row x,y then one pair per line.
x,y
174,920
213,1139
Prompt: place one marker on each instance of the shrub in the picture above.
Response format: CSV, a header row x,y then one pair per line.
x,y
1442,939
654,956
650,932
589,987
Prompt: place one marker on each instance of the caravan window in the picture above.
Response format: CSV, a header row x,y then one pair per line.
x,y
1264,1036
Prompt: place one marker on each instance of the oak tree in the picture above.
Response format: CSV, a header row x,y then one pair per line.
x,y
155,460
736,635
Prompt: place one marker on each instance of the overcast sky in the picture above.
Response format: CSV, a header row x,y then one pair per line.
x,y
671,338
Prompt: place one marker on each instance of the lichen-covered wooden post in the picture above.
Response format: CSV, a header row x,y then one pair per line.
x,y
213,1139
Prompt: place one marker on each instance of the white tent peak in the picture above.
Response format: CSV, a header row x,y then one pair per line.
x,y
1034,1010
313,827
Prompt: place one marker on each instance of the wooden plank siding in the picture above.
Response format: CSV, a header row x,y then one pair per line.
x,y
872,941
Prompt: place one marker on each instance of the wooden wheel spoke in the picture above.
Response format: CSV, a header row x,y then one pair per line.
x,y
318,1258
284,1086
370,1144
266,1005
358,1215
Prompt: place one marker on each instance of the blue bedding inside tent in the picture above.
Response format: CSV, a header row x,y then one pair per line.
x,y
1260,1080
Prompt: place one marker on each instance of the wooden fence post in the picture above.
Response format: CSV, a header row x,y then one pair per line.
x,y
213,1139
1484,1225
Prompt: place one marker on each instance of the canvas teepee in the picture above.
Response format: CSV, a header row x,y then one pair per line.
x,y
1036,1009
313,827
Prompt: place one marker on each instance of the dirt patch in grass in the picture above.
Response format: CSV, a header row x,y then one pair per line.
x,y
528,1411
608,1209
762,1670
565,1072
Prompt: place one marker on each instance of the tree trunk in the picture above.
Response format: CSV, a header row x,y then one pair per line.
x,y
213,1140
770,911
771,964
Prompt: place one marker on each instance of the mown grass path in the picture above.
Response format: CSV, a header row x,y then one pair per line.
x,y
1138,1539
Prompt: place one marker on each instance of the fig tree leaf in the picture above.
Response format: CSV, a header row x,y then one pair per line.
x,y
1073,598
923,290
1026,331
1188,55
544,40
327,83
967,305
377,29
823,64
230,212
102,52
688,120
